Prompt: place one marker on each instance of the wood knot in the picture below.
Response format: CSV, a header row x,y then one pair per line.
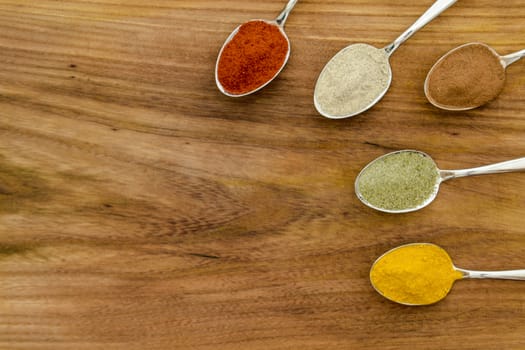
x,y
5,190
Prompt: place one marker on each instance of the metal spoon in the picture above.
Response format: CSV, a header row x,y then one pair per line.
x,y
470,85
443,175
334,98
430,266
279,22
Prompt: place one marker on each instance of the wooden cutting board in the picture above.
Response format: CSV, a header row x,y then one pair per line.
x,y
142,209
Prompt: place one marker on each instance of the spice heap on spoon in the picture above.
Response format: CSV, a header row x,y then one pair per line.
x,y
468,76
253,55
423,273
358,76
408,180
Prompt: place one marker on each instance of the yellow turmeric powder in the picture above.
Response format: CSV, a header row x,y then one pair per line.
x,y
414,274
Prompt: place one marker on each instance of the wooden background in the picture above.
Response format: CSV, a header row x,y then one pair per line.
x,y
142,209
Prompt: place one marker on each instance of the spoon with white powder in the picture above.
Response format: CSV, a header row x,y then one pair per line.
x,y
359,75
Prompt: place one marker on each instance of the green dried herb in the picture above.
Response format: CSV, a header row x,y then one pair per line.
x,y
398,181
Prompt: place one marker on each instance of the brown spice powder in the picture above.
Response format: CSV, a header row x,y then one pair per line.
x,y
466,77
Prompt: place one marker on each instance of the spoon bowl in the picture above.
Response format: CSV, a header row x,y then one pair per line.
x,y
430,270
367,74
378,189
409,180
455,82
251,69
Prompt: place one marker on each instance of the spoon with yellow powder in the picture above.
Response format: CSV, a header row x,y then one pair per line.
x,y
423,273
468,77
408,180
359,75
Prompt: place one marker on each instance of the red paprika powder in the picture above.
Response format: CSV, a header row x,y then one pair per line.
x,y
252,57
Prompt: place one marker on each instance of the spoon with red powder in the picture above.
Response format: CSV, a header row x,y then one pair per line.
x,y
253,55
468,76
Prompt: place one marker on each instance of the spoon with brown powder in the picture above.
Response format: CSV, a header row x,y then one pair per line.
x,y
468,76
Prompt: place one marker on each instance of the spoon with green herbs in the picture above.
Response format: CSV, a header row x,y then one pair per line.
x,y
409,180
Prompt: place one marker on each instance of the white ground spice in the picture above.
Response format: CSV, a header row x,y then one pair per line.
x,y
352,80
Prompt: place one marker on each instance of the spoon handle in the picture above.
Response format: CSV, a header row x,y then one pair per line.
x,y
503,167
434,11
283,16
503,275
513,57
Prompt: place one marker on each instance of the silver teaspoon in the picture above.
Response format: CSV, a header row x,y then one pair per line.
x,y
358,76
409,180
428,278
448,90
253,71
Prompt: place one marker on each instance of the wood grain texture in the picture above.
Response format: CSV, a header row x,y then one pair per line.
x,y
141,209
